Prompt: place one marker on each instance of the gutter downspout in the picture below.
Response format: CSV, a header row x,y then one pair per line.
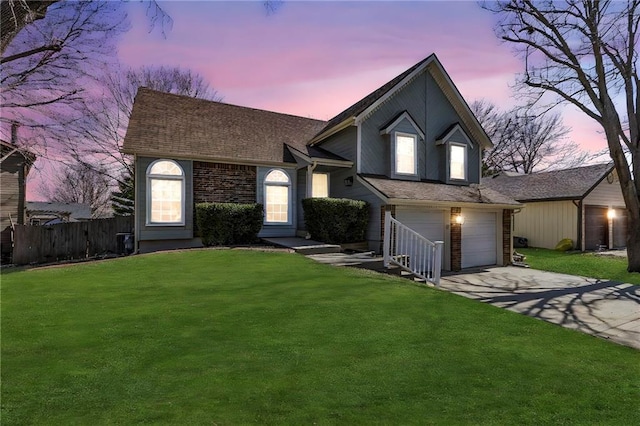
x,y
136,207
579,243
310,168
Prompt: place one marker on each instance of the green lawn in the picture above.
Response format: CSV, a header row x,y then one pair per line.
x,y
591,265
233,337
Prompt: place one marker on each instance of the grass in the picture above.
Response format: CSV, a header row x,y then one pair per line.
x,y
591,265
236,337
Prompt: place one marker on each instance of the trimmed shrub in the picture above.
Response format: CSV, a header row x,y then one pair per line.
x,y
336,220
228,223
564,245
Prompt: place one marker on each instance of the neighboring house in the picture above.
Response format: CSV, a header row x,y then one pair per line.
x,y
411,147
50,213
15,164
583,203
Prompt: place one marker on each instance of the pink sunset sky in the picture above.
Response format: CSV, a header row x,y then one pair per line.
x,y
315,59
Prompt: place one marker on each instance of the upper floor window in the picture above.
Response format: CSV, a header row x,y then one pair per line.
x,y
277,191
457,162
165,193
405,154
320,185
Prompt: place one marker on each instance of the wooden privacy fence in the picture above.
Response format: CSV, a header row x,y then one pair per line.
x,y
63,241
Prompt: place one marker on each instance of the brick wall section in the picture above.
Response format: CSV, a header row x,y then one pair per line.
x,y
223,183
456,240
506,237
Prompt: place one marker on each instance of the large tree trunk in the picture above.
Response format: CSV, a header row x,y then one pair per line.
x,y
633,237
628,184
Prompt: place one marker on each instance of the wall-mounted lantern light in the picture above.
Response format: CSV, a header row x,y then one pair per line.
x,y
348,181
458,219
611,214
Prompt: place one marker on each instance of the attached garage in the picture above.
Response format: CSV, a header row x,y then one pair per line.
x,y
430,223
479,241
427,222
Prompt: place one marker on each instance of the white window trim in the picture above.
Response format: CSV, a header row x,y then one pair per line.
x,y
465,165
264,196
395,154
149,178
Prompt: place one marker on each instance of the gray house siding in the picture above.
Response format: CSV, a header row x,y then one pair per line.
x,y
343,143
423,99
149,236
301,193
359,192
285,230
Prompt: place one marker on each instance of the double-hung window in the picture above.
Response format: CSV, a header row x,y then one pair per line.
x,y
320,185
405,154
457,162
277,194
165,193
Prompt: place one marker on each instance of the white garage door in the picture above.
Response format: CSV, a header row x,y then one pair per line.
x,y
428,223
478,238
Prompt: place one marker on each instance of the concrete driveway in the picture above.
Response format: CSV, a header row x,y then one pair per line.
x,y
607,309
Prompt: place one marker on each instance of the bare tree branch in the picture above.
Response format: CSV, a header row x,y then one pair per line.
x,y
585,52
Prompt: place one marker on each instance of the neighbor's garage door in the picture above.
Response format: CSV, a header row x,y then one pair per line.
x,y
428,223
596,227
478,238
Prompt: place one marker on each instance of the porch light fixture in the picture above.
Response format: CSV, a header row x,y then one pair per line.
x,y
458,219
611,214
348,181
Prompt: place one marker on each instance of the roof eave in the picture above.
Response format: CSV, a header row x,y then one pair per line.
x,y
391,92
481,135
240,161
438,203
332,131
318,160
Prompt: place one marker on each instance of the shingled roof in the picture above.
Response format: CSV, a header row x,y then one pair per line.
x,y
176,126
437,193
567,184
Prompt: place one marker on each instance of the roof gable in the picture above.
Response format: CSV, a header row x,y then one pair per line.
x,y
8,149
567,184
455,130
168,125
404,115
364,107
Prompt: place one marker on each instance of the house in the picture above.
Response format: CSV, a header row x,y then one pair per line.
x,y
411,147
582,203
50,213
15,164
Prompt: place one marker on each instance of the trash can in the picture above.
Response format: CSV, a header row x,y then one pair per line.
x,y
124,244
520,242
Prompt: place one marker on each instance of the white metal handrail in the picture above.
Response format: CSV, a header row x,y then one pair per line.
x,y
404,247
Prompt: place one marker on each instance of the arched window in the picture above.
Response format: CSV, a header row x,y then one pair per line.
x,y
165,193
277,194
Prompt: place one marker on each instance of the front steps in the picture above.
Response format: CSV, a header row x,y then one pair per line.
x,y
304,246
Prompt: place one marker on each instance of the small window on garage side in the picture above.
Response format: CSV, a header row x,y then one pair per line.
x,y
166,193
277,195
405,154
320,185
457,162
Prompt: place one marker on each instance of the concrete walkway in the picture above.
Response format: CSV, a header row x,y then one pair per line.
x,y
606,309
